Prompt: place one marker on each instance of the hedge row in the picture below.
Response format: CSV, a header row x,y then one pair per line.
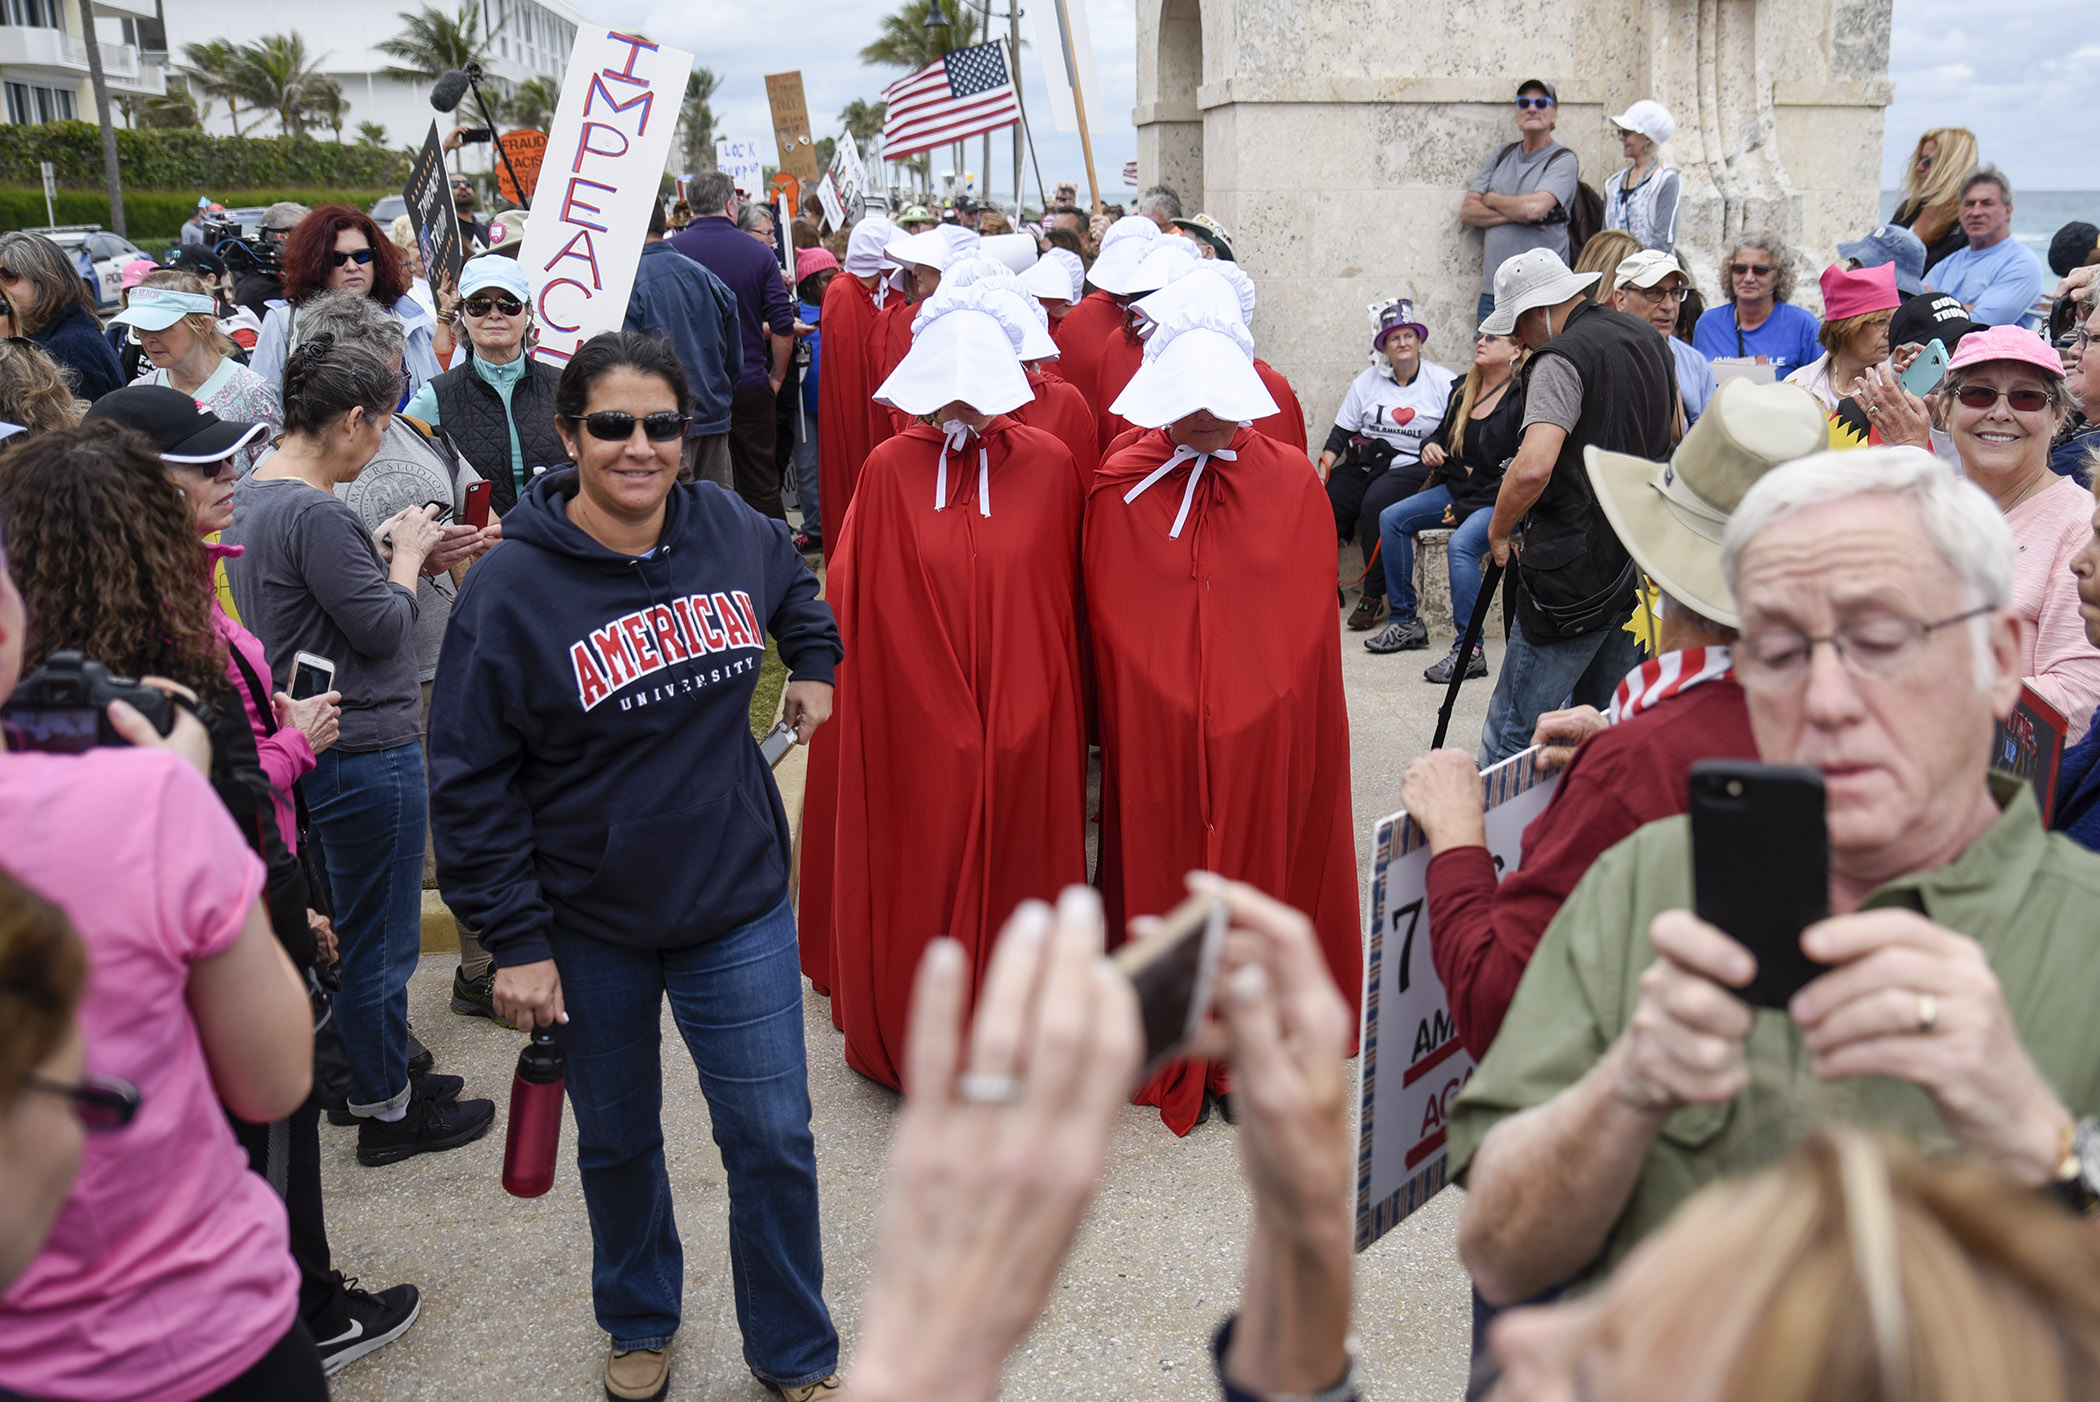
x,y
154,218
155,159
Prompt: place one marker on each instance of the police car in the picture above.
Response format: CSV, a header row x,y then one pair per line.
x,y
100,256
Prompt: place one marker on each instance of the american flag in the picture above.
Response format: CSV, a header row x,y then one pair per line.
x,y
960,94
1130,174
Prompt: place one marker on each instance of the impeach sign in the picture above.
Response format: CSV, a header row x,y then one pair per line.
x,y
603,165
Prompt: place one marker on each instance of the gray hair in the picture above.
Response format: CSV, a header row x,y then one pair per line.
x,y
747,217
49,269
352,319
1160,199
1988,175
284,215
1783,264
711,191
1962,524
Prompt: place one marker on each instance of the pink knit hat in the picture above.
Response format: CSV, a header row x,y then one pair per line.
x,y
1849,292
2013,343
812,260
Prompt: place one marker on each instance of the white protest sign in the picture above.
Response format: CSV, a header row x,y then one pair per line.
x,y
1413,1062
605,157
740,161
828,197
848,173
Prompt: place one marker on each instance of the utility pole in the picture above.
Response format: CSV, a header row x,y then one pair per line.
x,y
1013,56
110,174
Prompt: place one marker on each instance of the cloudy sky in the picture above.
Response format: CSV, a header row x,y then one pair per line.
x,y
2023,74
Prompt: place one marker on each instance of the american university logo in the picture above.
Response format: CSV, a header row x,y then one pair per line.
x,y
642,643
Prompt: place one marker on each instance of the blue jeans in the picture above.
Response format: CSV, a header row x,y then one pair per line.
x,y
737,1001
1487,304
1423,511
368,812
804,463
1541,677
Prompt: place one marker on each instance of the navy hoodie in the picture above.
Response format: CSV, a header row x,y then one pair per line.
x,y
591,756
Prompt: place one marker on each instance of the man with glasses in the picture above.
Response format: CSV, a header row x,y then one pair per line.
x,y
464,202
1878,645
1650,285
1524,190
1996,277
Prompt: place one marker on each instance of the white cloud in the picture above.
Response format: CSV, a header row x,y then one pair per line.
x,y
2022,86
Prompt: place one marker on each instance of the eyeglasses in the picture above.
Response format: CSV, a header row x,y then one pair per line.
x,y
1754,269
361,255
10,275
1925,162
2081,340
100,1103
617,426
2024,401
1776,658
1658,294
482,306
1534,104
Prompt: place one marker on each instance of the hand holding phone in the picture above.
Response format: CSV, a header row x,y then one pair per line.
x,y
477,513
1923,375
312,675
1174,969
1761,866
779,740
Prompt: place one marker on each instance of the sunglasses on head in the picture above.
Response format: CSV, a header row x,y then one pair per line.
x,y
2025,401
1535,104
100,1103
1754,269
617,425
482,306
362,255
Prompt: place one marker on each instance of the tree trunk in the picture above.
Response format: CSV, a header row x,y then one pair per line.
x,y
111,175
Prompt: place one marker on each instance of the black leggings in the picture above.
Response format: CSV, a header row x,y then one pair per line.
x,y
289,1372
302,1199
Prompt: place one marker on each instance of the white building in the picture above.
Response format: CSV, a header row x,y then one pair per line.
x,y
44,64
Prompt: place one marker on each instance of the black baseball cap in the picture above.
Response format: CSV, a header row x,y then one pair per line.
x,y
183,432
1543,86
1937,318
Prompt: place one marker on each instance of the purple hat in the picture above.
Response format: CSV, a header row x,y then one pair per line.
x,y
1393,318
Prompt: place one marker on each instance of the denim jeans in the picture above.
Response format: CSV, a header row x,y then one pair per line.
x,y
805,464
368,812
737,1001
1541,677
1423,511
1487,304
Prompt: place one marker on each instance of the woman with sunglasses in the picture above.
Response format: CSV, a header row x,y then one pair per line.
x,y
497,406
2001,402
605,820
173,314
340,248
55,309
1757,322
165,1273
1930,205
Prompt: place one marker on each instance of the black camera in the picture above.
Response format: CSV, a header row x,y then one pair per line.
x,y
63,706
245,247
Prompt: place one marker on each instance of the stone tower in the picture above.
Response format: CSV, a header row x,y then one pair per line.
x,y
1335,140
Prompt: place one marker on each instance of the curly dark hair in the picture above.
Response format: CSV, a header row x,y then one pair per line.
x,y
103,545
308,260
43,968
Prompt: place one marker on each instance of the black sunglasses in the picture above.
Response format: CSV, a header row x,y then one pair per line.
x,y
362,255
1759,269
617,425
100,1103
482,306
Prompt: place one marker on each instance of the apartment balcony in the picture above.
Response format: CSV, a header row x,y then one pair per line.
x,y
62,56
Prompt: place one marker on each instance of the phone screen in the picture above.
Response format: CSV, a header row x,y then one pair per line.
x,y
1172,970
62,730
309,680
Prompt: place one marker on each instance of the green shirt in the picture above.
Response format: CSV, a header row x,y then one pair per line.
x,y
503,379
2029,897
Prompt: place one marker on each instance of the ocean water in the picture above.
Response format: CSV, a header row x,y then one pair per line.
x,y
2037,214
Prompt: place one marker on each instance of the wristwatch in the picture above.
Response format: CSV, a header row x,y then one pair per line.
x,y
2077,1181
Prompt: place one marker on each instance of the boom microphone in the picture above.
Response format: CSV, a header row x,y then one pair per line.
x,y
449,90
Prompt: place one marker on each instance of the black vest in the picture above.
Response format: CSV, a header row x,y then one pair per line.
x,y
1577,576
471,412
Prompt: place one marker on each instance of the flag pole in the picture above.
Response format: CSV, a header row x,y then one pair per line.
x,y
1086,145
1021,132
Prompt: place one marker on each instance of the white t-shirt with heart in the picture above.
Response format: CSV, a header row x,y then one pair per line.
x,y
1406,416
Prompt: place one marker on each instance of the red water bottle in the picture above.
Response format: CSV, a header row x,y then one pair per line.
x,y
534,1132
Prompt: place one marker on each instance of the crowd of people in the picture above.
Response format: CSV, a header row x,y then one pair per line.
x,y
418,608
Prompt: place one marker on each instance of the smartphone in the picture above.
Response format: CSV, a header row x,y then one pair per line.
x,y
773,749
1173,970
1761,866
312,675
478,505
1926,372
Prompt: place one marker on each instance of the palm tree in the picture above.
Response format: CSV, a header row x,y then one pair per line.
x,y
864,119
907,43
209,67
435,42
274,74
177,107
325,102
697,119
371,134
100,83
532,104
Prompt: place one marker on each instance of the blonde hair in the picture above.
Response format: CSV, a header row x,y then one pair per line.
x,y
1469,395
403,232
204,324
1938,199
1603,254
35,393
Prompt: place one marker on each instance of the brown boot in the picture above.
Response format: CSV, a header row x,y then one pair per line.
x,y
637,1375
818,1391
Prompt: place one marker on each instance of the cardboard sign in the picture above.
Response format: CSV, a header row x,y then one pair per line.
x,y
525,148
429,197
2029,745
798,151
740,161
1413,1062
611,135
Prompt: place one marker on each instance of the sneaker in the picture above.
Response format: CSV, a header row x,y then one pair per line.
x,y
1364,617
637,1375
429,1086
419,1058
1401,635
822,1388
357,1322
429,1126
476,997
1440,672
807,543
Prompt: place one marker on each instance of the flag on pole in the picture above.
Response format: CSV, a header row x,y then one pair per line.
x,y
963,93
1130,174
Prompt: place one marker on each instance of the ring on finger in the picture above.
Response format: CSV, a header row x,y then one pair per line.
x,y
1928,1014
984,1088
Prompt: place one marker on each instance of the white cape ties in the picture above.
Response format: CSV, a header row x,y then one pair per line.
x,y
958,435
1182,453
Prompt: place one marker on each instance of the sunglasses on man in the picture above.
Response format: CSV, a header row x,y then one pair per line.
x,y
358,255
1534,104
617,426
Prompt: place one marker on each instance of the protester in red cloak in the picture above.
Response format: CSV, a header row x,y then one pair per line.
x,y
1287,425
1224,732
1085,331
961,785
848,419
1060,411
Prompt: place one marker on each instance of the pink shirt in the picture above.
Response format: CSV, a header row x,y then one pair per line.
x,y
167,1274
285,753
2056,660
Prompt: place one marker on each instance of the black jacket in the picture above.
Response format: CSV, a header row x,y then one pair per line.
x,y
470,410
